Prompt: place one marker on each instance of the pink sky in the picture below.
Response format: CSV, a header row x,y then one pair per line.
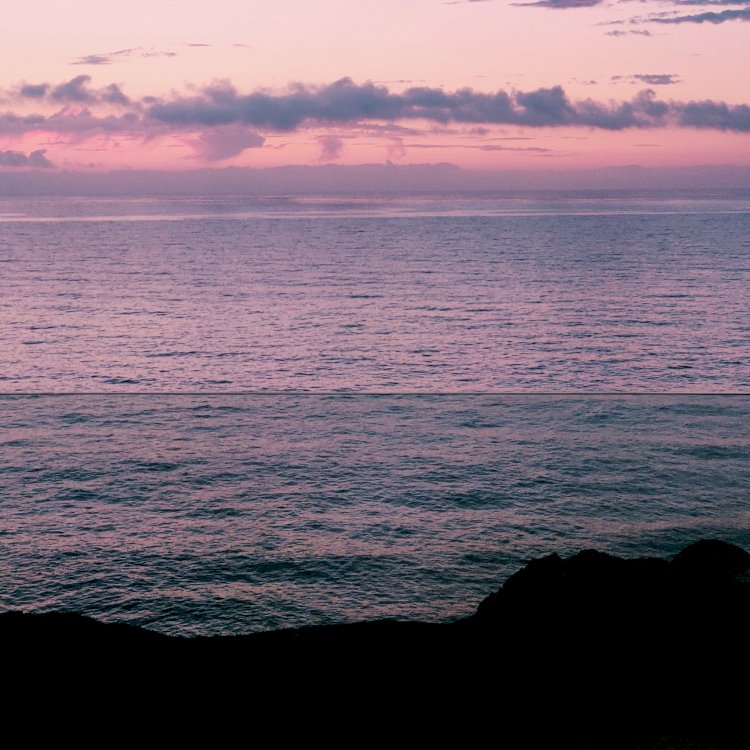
x,y
480,83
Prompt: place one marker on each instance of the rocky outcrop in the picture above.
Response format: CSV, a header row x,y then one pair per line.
x,y
591,585
590,651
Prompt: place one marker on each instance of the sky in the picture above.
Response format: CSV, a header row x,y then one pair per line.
x,y
483,84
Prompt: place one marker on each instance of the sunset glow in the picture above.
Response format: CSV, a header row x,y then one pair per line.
x,y
483,84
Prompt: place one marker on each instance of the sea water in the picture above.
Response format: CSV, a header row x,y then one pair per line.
x,y
227,415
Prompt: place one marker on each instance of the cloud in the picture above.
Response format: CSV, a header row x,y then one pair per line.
x,y
388,130
483,147
157,53
650,79
225,142
711,2
107,58
331,147
13,124
679,17
104,58
229,122
34,91
619,33
76,90
715,115
657,79
560,4
77,123
342,101
113,94
714,17
34,160
732,14
93,60
345,102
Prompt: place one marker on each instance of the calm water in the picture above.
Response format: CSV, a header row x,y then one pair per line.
x,y
230,514
462,295
210,511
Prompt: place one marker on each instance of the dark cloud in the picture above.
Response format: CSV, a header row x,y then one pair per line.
x,y
657,79
331,147
642,111
673,17
715,116
560,4
76,91
13,124
34,90
732,14
113,94
34,160
342,101
714,17
712,2
80,124
365,108
651,79
346,102
85,122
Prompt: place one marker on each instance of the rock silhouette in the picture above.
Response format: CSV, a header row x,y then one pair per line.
x,y
593,651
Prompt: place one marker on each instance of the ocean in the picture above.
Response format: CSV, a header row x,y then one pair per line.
x,y
229,415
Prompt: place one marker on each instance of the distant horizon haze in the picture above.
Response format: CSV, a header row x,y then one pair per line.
x,y
369,179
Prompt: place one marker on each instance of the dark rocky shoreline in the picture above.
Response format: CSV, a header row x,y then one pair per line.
x,y
593,651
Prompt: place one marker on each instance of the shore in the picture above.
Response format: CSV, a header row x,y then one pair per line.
x,y
592,651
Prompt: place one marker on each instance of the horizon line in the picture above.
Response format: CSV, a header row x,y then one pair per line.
x,y
375,394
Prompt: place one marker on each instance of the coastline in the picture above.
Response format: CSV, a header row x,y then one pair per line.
x,y
589,651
